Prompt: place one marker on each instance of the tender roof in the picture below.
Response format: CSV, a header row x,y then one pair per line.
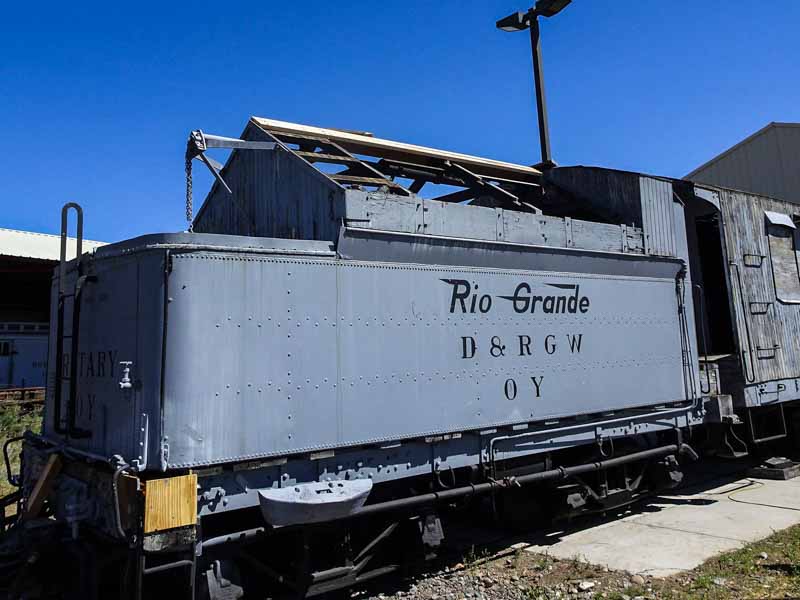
x,y
361,143
38,246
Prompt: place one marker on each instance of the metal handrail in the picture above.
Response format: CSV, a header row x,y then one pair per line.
x,y
747,377
696,402
13,480
62,265
704,314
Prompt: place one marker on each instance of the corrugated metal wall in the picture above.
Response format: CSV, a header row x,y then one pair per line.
x,y
658,217
767,163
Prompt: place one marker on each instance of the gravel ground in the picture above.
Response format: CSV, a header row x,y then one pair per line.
x,y
515,575
766,569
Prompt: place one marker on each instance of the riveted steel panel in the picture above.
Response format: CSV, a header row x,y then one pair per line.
x,y
121,319
301,354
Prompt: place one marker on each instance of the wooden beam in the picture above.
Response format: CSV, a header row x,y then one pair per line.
x,y
459,196
343,178
476,180
313,157
42,487
372,146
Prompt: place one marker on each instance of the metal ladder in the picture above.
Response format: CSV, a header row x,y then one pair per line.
x,y
70,429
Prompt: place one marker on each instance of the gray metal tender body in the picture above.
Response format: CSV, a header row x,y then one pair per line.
x,y
321,352
426,336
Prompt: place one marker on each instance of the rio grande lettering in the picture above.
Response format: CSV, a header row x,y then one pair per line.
x,y
465,298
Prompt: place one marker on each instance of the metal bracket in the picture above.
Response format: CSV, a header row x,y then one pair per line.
x,y
144,438
760,308
196,146
568,232
753,260
768,352
199,142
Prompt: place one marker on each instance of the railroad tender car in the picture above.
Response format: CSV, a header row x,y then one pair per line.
x,y
328,363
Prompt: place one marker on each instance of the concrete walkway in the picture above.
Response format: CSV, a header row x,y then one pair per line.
x,y
673,533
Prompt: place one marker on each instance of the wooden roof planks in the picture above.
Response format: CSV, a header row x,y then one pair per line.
x,y
371,146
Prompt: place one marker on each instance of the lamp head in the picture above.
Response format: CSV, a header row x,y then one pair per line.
x,y
548,8
514,22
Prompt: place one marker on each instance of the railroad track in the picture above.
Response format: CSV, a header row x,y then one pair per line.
x,y
21,396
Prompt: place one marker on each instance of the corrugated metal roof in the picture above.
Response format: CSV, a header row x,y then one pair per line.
x,y
764,163
38,246
725,153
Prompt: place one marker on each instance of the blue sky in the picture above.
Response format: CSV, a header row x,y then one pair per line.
x,y
97,99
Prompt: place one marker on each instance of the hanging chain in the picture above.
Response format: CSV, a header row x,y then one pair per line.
x,y
189,207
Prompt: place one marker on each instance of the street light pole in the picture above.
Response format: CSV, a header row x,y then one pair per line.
x,y
538,82
530,20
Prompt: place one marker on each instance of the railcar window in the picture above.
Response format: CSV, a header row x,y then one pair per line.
x,y
782,249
